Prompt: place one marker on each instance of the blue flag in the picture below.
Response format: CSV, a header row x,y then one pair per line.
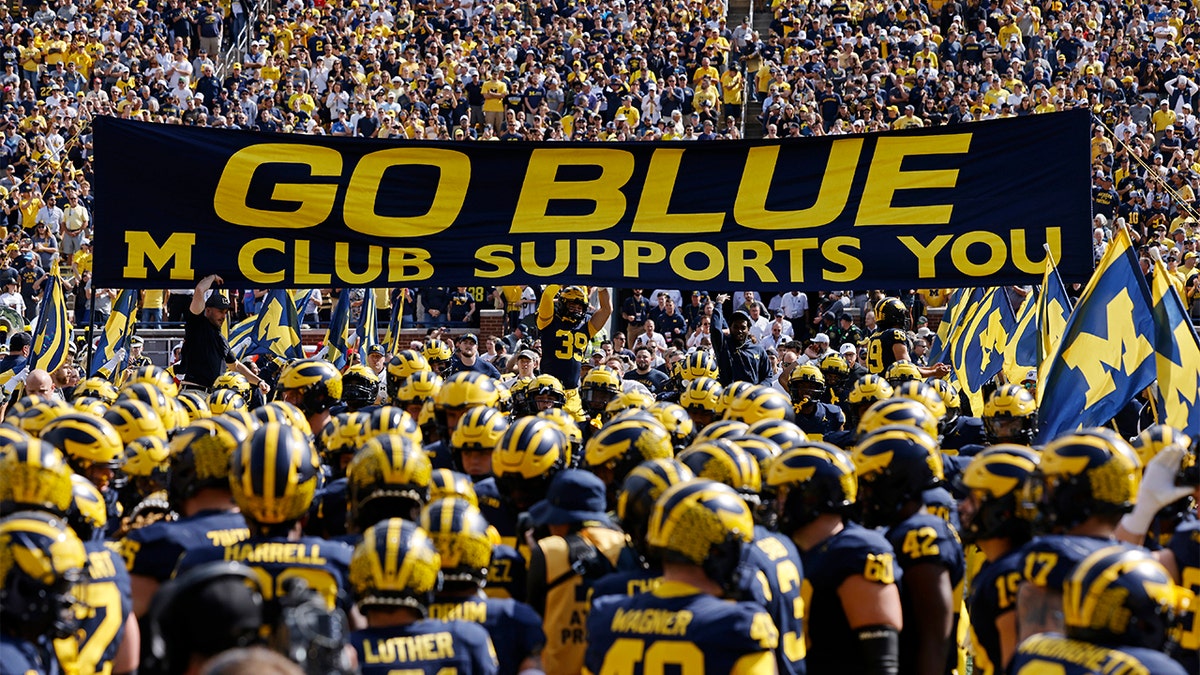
x,y
367,328
391,339
1021,353
117,331
1106,355
52,333
338,334
977,349
956,309
276,328
1177,353
1054,308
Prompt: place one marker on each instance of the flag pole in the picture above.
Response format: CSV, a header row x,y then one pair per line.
x,y
91,328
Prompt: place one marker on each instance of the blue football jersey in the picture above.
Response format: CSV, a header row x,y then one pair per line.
x,y
1048,561
628,582
1185,544
993,593
431,647
1053,653
676,628
105,601
515,629
855,550
780,573
327,515
154,551
506,573
323,564
924,538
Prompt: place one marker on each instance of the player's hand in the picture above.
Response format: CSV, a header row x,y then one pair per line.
x,y
263,387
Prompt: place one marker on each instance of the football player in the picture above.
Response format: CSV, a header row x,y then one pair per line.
x,y
889,343
567,331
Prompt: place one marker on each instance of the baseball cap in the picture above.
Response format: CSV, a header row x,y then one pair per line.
x,y
821,337
527,354
376,349
468,336
575,496
217,301
137,340
847,348
19,341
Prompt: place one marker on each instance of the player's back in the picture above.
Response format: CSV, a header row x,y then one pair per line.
x,y
154,551
776,559
881,349
515,629
1185,544
993,593
428,647
628,582
921,539
855,550
107,599
1047,561
1054,653
677,626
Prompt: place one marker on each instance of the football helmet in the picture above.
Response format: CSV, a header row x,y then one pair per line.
x,y
41,558
629,400
200,455
390,475
726,462
676,421
641,488
392,420
1122,597
835,369
360,387
722,429
898,411
811,480
233,381
97,387
35,416
88,514
89,406
950,398
734,391
224,400
312,385
1156,438
571,304
154,376
890,312
147,462
701,398
402,366
895,465
994,483
34,475
395,565
91,445
478,430
806,383
273,476
461,391
546,392
703,523
153,397
868,390
1093,472
599,387
760,403
566,424
416,390
437,354
460,535
902,371
1010,416
782,433
446,484
621,445
698,364
195,405
522,400
925,395
341,437
528,455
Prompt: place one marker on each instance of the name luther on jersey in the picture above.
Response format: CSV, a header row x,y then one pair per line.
x,y
409,648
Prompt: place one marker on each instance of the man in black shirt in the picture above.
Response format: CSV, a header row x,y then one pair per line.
x,y
204,347
654,379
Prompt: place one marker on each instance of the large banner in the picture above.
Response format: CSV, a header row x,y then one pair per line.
x,y
968,205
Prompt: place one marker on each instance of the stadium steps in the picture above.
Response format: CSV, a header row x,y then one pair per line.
x,y
760,19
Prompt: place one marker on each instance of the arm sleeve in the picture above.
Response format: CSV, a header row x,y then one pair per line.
x,y
546,305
